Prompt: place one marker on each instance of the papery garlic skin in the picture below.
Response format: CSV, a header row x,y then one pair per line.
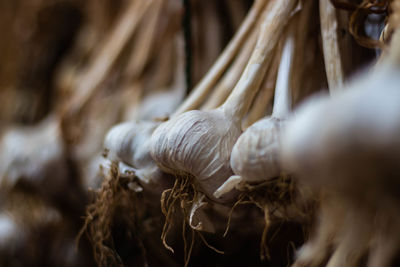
x,y
255,156
202,143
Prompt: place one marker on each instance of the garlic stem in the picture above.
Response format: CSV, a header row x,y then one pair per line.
x,y
108,53
276,17
394,51
282,91
229,80
301,37
202,89
330,42
145,40
262,101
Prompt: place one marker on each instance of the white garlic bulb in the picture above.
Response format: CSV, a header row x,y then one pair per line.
x,y
363,126
255,156
12,235
348,146
128,143
200,142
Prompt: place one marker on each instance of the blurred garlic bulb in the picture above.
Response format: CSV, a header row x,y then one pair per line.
x,y
128,143
199,143
255,156
11,235
363,125
348,147
32,155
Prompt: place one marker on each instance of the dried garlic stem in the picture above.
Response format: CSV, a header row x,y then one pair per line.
x,y
271,30
329,32
161,104
301,37
394,50
108,53
200,92
264,96
282,98
230,78
145,41
255,155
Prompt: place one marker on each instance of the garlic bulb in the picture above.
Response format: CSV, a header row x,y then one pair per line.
x,y
198,146
128,143
255,156
12,235
200,142
32,155
362,117
348,147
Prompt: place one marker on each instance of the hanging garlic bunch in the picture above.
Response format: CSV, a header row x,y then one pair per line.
x,y
255,156
199,143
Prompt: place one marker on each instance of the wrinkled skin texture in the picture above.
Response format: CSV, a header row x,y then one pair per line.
x,y
255,156
198,143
